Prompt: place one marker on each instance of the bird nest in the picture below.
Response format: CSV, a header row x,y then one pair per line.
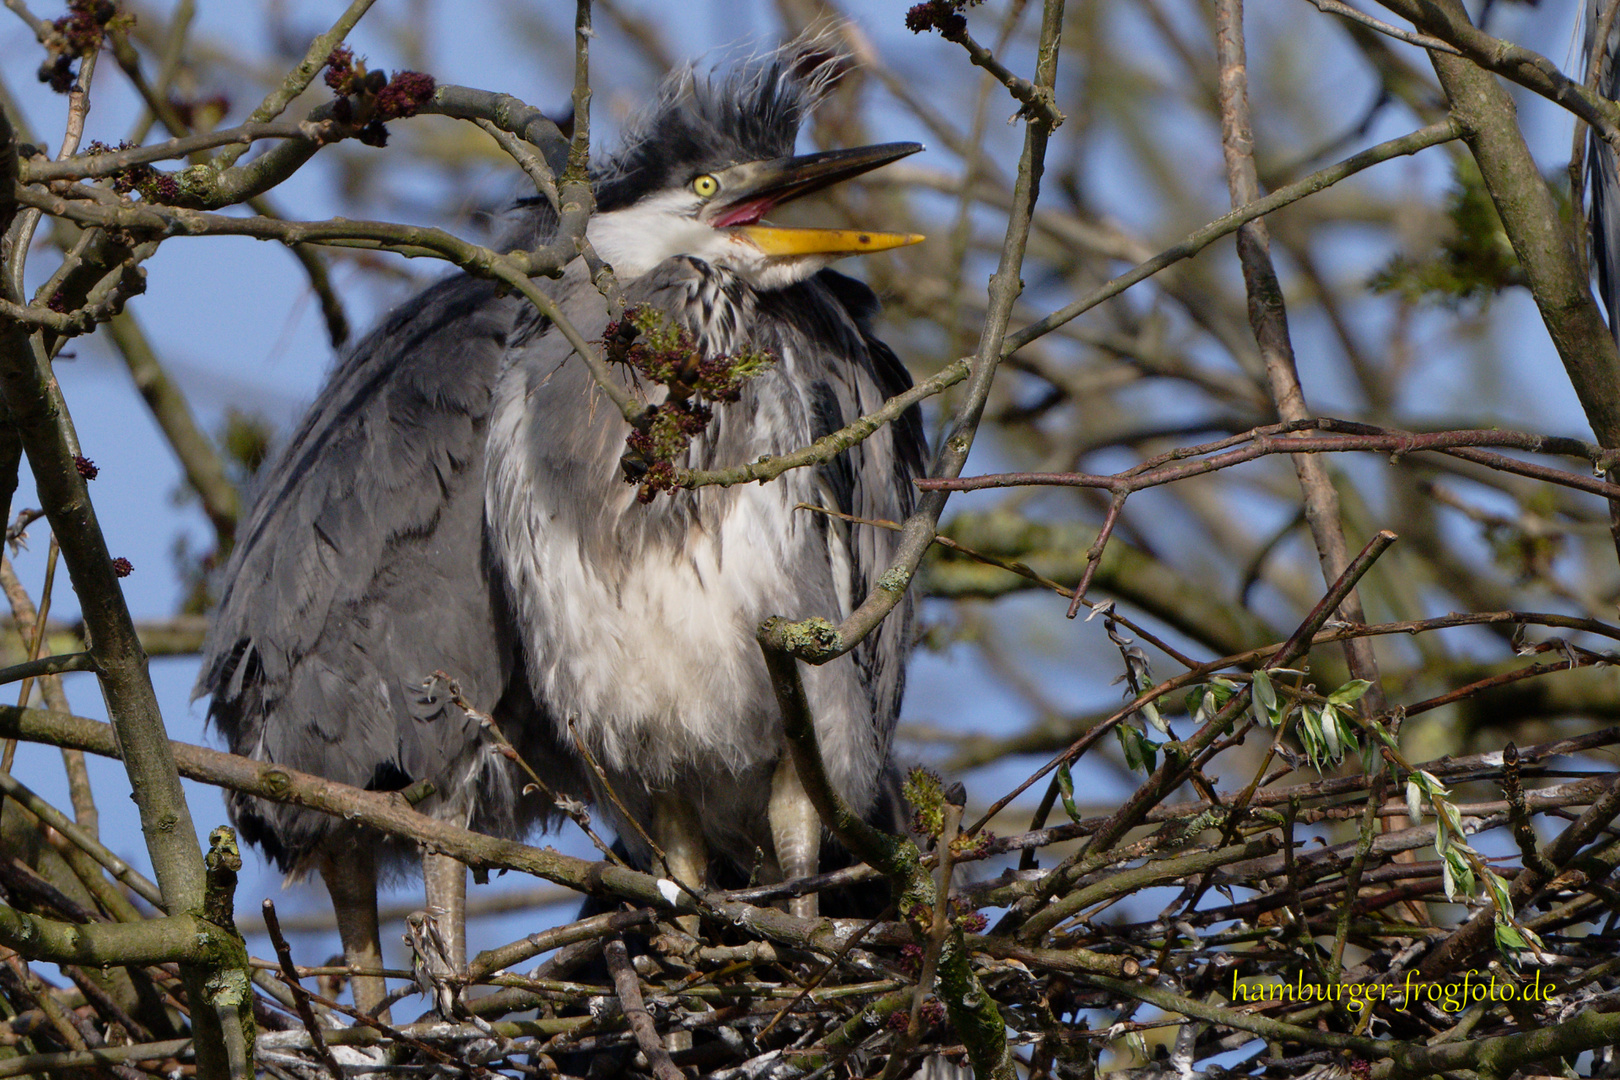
x,y
1310,929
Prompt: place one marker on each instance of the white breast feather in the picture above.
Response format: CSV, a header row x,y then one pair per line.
x,y
658,668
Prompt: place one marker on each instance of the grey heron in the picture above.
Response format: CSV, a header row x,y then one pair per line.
x,y
638,620
454,501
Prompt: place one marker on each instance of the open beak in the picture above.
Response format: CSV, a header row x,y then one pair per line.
x,y
755,188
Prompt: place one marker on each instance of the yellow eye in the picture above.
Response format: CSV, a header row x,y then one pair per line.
x,y
705,186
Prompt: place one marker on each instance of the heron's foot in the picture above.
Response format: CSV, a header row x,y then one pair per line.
x,y
678,831
795,832
351,880
444,881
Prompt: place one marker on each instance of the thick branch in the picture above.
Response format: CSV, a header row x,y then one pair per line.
x,y
170,939
1448,21
1540,235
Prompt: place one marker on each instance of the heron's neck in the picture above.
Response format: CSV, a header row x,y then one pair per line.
x,y
638,237
721,305
642,235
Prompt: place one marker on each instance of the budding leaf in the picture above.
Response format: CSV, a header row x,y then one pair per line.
x,y
1265,695
1350,691
1065,782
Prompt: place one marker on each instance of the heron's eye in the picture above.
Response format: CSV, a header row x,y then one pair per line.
x,y
705,186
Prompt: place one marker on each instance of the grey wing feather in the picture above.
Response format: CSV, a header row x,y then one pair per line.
x,y
873,480
361,571
1602,171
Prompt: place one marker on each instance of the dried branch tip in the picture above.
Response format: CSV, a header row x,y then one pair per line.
x,y
368,98
942,15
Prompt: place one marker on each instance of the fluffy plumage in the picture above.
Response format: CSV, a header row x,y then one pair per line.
x,y
370,559
702,122
638,620
360,571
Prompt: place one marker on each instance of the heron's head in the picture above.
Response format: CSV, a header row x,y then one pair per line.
x,y
705,166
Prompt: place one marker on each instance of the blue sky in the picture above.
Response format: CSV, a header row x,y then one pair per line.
x,y
234,322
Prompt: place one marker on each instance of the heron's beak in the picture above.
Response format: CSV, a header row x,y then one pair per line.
x,y
755,188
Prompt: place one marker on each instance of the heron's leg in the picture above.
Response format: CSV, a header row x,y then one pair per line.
x,y
351,879
677,830
795,832
445,882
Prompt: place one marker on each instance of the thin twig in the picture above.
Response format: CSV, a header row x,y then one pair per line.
x,y
1196,241
1283,438
80,838
628,985
814,640
1422,41
38,642
567,805
299,78
106,163
289,974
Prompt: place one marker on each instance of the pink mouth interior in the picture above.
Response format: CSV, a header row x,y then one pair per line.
x,y
744,213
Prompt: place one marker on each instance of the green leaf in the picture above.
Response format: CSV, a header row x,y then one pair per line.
x,y
1499,893
1265,695
1207,699
1457,872
1127,746
1330,733
1350,691
1349,734
1198,704
1452,815
1431,784
1141,752
1066,788
1310,736
1369,758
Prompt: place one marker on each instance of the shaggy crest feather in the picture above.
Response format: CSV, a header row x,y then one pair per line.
x,y
700,123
